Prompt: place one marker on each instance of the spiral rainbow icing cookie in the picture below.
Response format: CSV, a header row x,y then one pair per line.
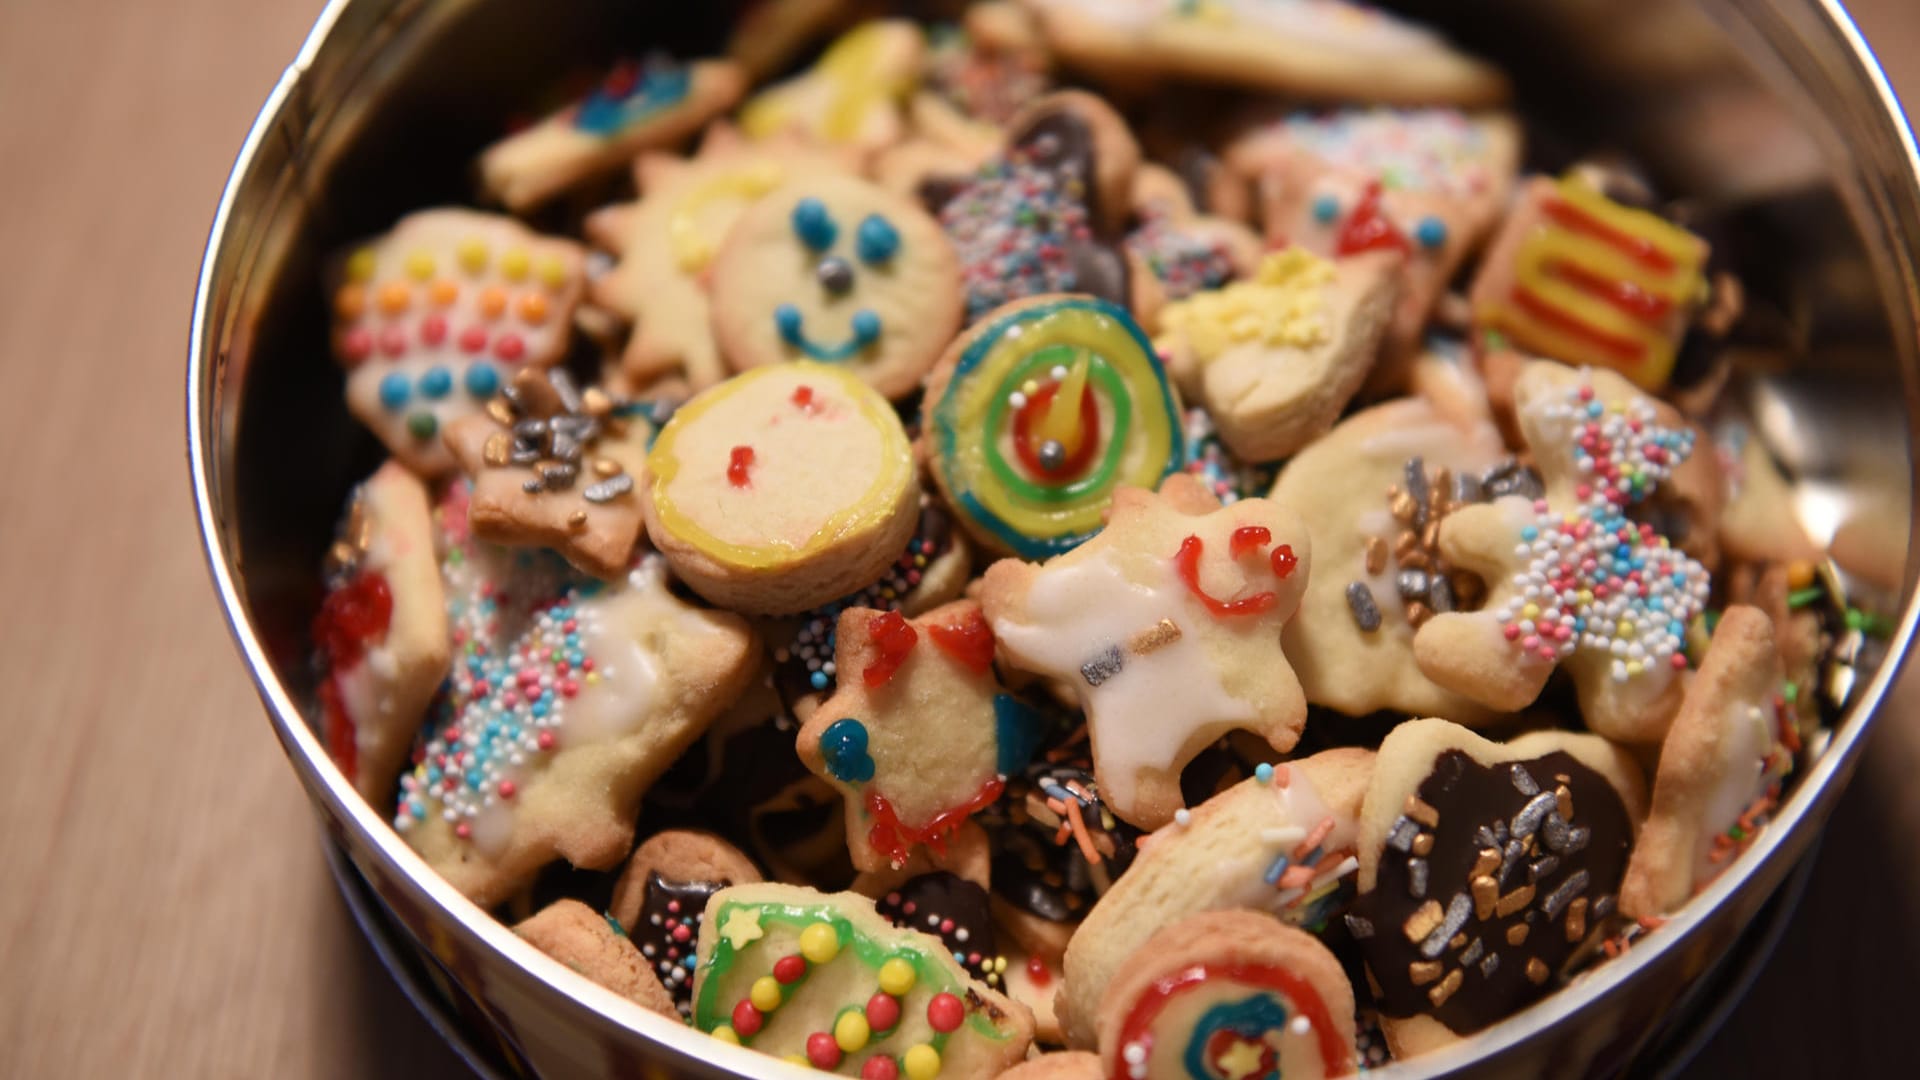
x,y
1039,412
782,488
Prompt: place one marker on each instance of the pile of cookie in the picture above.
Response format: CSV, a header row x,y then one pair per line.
x,y
1057,538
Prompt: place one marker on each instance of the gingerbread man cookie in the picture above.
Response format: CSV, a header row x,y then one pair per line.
x,y
666,244
851,96
1720,767
825,979
382,630
553,467
1283,843
1376,488
431,320
837,270
662,894
912,735
781,489
1483,868
1167,627
1571,580
1278,356
597,947
1227,995
641,105
571,698
1577,277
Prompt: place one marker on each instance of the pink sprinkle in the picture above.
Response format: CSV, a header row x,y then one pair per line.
x,y
507,789
433,330
473,339
545,740
358,344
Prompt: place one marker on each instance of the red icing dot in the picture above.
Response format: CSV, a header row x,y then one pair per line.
x,y
945,1012
393,341
507,789
823,1051
893,638
738,463
883,1011
803,398
1284,561
357,344
788,969
969,641
1367,229
433,329
1037,971
473,339
746,1020
879,1067
510,347
1249,538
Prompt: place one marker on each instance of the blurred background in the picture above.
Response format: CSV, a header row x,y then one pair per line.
x,y
167,909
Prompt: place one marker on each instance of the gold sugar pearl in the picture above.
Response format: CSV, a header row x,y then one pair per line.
x,y
419,265
552,272
472,254
577,520
515,264
606,467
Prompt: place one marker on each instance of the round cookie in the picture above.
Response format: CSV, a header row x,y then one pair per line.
x,y
781,489
596,947
1027,476
838,270
1225,995
662,894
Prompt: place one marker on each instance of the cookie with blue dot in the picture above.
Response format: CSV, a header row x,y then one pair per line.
x,y
840,271
916,733
433,318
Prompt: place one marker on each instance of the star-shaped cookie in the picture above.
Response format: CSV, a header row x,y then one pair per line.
x,y
1167,627
913,734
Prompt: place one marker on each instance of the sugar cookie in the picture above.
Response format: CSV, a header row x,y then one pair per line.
x,y
851,96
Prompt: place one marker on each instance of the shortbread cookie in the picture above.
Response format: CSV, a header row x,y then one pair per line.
x,y
1226,995
1178,251
838,270
1574,276
1428,184
1058,1065
1283,843
642,105
781,489
1039,413
1033,981
666,244
910,737
1374,488
552,467
381,630
1483,868
1571,580
1047,215
1276,357
1758,522
1322,49
663,892
432,319
823,978
1720,767
769,33
851,96
598,948
1167,627
574,695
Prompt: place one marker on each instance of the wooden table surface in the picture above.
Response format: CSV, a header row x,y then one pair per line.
x,y
167,910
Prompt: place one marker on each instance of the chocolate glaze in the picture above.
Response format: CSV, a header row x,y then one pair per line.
x,y
1060,141
669,931
1476,804
1033,872
959,913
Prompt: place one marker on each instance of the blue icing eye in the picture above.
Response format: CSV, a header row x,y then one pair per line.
x,y
814,225
844,746
436,382
1431,232
1325,209
395,391
877,239
482,380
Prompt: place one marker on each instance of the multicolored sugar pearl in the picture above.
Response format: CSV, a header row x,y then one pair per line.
x,y
1184,262
1429,150
1227,477
1012,226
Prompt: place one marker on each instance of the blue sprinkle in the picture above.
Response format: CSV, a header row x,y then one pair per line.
x,y
1529,533
1278,867
1263,772
436,382
814,225
1325,209
394,392
1431,232
818,680
1594,408
419,811
482,380
540,708
877,239
475,778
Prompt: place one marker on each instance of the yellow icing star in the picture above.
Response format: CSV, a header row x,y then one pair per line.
x,y
742,927
1284,304
1241,1061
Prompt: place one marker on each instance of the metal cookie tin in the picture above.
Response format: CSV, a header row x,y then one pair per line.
x,y
1769,115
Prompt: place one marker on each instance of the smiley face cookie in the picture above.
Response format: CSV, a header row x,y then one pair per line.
x,y
1282,843
1226,995
1376,488
382,629
1039,413
1167,627
1483,868
912,735
826,979
667,241
1720,767
434,317
851,96
837,270
781,489
572,697
1276,357
598,948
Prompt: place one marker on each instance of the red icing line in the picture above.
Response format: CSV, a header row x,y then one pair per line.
x,y
895,840
893,638
738,464
1188,563
1249,538
1334,1053
1639,249
1624,295
1625,350
1029,454
1367,229
351,617
970,641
